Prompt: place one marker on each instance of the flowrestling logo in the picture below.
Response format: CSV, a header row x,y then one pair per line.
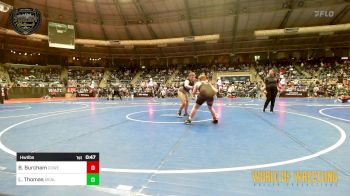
x,y
324,13
25,21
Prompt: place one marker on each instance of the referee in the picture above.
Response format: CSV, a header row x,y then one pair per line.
x,y
2,94
270,90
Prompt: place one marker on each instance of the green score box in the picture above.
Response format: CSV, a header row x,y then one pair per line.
x,y
92,179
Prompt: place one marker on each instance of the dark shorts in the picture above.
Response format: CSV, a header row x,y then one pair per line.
x,y
201,100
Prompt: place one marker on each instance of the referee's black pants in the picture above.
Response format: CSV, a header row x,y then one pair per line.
x,y
270,97
1,99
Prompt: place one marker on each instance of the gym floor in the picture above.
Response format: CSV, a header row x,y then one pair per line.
x,y
145,147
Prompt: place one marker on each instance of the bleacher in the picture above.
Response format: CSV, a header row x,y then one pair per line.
x,y
315,77
34,76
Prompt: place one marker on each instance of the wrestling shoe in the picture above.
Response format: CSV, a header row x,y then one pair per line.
x,y
179,115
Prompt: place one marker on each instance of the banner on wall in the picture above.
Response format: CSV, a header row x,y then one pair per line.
x,y
56,91
293,94
142,95
85,92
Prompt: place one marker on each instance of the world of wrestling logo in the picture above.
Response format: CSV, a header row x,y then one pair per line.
x,y
25,21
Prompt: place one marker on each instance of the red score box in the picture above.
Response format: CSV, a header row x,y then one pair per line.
x,y
93,167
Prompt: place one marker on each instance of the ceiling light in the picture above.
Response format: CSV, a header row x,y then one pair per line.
x,y
4,7
300,3
285,5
